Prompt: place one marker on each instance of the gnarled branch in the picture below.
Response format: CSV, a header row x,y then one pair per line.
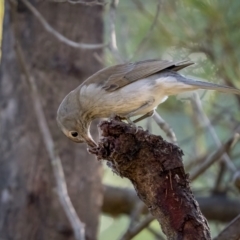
x,y
156,170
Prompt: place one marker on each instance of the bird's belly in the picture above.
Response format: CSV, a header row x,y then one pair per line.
x,y
140,95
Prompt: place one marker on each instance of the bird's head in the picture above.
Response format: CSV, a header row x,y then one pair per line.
x,y
73,123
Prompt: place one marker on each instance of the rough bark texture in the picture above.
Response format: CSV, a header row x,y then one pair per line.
x,y
155,168
119,200
29,206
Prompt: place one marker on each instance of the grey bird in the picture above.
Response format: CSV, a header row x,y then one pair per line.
x,y
125,90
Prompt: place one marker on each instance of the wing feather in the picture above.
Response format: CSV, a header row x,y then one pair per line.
x,y
118,76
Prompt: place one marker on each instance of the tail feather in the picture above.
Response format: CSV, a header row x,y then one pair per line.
x,y
209,86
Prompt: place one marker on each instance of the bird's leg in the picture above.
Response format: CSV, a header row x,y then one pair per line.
x,y
130,121
135,112
149,114
116,117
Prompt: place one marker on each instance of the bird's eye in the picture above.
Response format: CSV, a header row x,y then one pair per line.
x,y
74,134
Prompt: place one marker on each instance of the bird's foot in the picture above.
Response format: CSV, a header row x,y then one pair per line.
x,y
132,123
120,118
116,117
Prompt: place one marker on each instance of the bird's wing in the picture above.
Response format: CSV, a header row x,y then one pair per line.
x,y
120,75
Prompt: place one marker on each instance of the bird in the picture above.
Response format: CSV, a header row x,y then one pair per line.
x,y
125,90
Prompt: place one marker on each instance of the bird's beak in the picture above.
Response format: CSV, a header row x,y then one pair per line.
x,y
90,142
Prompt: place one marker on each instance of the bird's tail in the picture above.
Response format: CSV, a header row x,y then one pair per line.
x,y
209,86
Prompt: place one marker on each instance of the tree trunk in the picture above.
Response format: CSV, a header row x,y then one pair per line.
x,y
29,205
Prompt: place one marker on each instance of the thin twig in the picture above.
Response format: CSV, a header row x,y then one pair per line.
x,y
134,218
90,4
220,177
215,156
98,58
77,225
138,228
58,35
113,40
144,40
136,213
231,232
196,161
140,6
236,179
206,122
165,127
199,130
157,235
208,50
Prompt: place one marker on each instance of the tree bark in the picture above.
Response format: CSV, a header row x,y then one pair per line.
x,y
156,170
119,201
29,206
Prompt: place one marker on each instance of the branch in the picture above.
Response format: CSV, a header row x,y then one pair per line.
x,y
231,232
156,170
200,130
221,70
58,35
134,217
236,179
113,40
196,102
90,4
119,201
224,149
155,233
165,127
77,225
220,177
138,228
144,40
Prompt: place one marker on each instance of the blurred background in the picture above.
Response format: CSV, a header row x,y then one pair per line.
x,y
205,32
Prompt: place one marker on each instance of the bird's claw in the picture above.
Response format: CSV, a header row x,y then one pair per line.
x,y
132,124
119,118
114,116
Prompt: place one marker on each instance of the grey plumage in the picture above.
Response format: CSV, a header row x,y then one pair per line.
x,y
197,84
127,90
209,86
